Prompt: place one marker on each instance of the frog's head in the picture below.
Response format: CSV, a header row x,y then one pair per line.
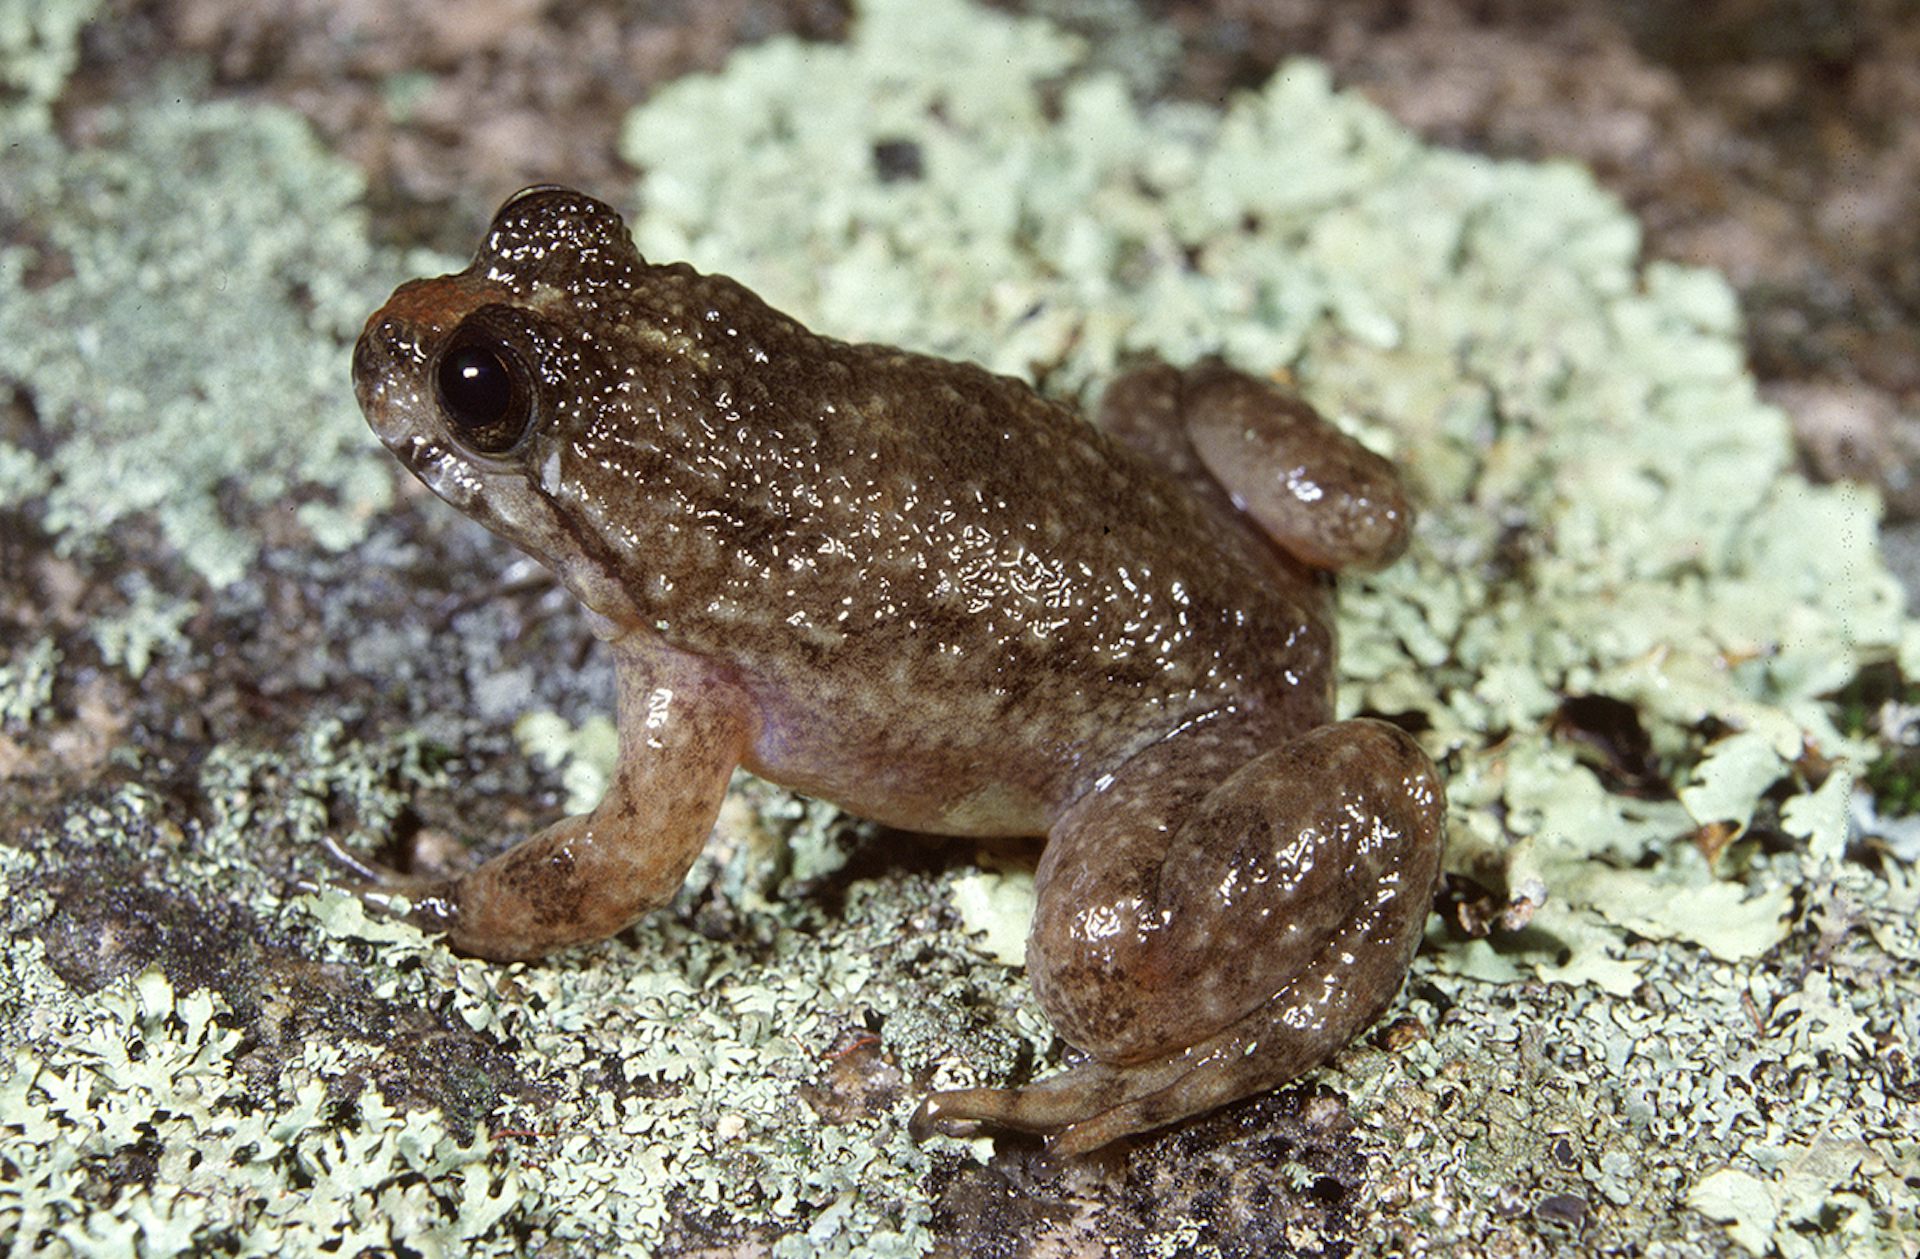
x,y
481,381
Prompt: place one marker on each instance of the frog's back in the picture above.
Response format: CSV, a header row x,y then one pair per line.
x,y
951,572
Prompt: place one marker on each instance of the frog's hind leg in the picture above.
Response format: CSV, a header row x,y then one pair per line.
x,y
1206,944
1263,450
1142,409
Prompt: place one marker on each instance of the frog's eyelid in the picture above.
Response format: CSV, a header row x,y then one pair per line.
x,y
548,226
531,190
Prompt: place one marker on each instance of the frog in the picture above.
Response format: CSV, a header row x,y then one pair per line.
x,y
944,601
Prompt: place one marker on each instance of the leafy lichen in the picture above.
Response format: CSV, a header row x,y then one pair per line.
x,y
149,627
39,47
140,1067
1750,1090
26,681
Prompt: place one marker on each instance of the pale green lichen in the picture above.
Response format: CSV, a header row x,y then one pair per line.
x,y
584,756
148,628
1758,1094
39,47
141,1071
26,681
178,299
324,786
995,906
713,1043
139,1066
711,1040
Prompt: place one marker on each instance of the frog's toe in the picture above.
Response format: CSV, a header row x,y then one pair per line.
x,y
965,1113
427,903
354,866
950,1113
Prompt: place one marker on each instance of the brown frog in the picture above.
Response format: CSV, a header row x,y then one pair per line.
x,y
942,601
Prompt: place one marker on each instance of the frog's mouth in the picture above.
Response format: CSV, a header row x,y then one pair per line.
x,y
391,381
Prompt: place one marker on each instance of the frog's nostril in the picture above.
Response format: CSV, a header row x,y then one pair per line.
x,y
380,341
375,355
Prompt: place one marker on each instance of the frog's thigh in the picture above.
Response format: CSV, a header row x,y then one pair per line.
x,y
590,876
1203,946
1168,909
1142,409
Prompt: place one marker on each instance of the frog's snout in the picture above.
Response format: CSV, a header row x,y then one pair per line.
x,y
375,355
368,359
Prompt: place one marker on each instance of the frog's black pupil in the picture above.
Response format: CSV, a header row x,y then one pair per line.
x,y
475,386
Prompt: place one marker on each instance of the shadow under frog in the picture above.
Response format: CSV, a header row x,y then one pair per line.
x,y
930,595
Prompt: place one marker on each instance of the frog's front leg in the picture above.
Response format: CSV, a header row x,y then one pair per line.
x,y
587,877
1217,920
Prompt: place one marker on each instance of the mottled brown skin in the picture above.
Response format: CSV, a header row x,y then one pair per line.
x,y
940,600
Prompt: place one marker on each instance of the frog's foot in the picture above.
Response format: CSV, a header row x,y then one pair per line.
x,y
1204,943
1057,1106
1079,1110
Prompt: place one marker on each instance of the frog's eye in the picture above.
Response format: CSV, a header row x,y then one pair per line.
x,y
486,390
